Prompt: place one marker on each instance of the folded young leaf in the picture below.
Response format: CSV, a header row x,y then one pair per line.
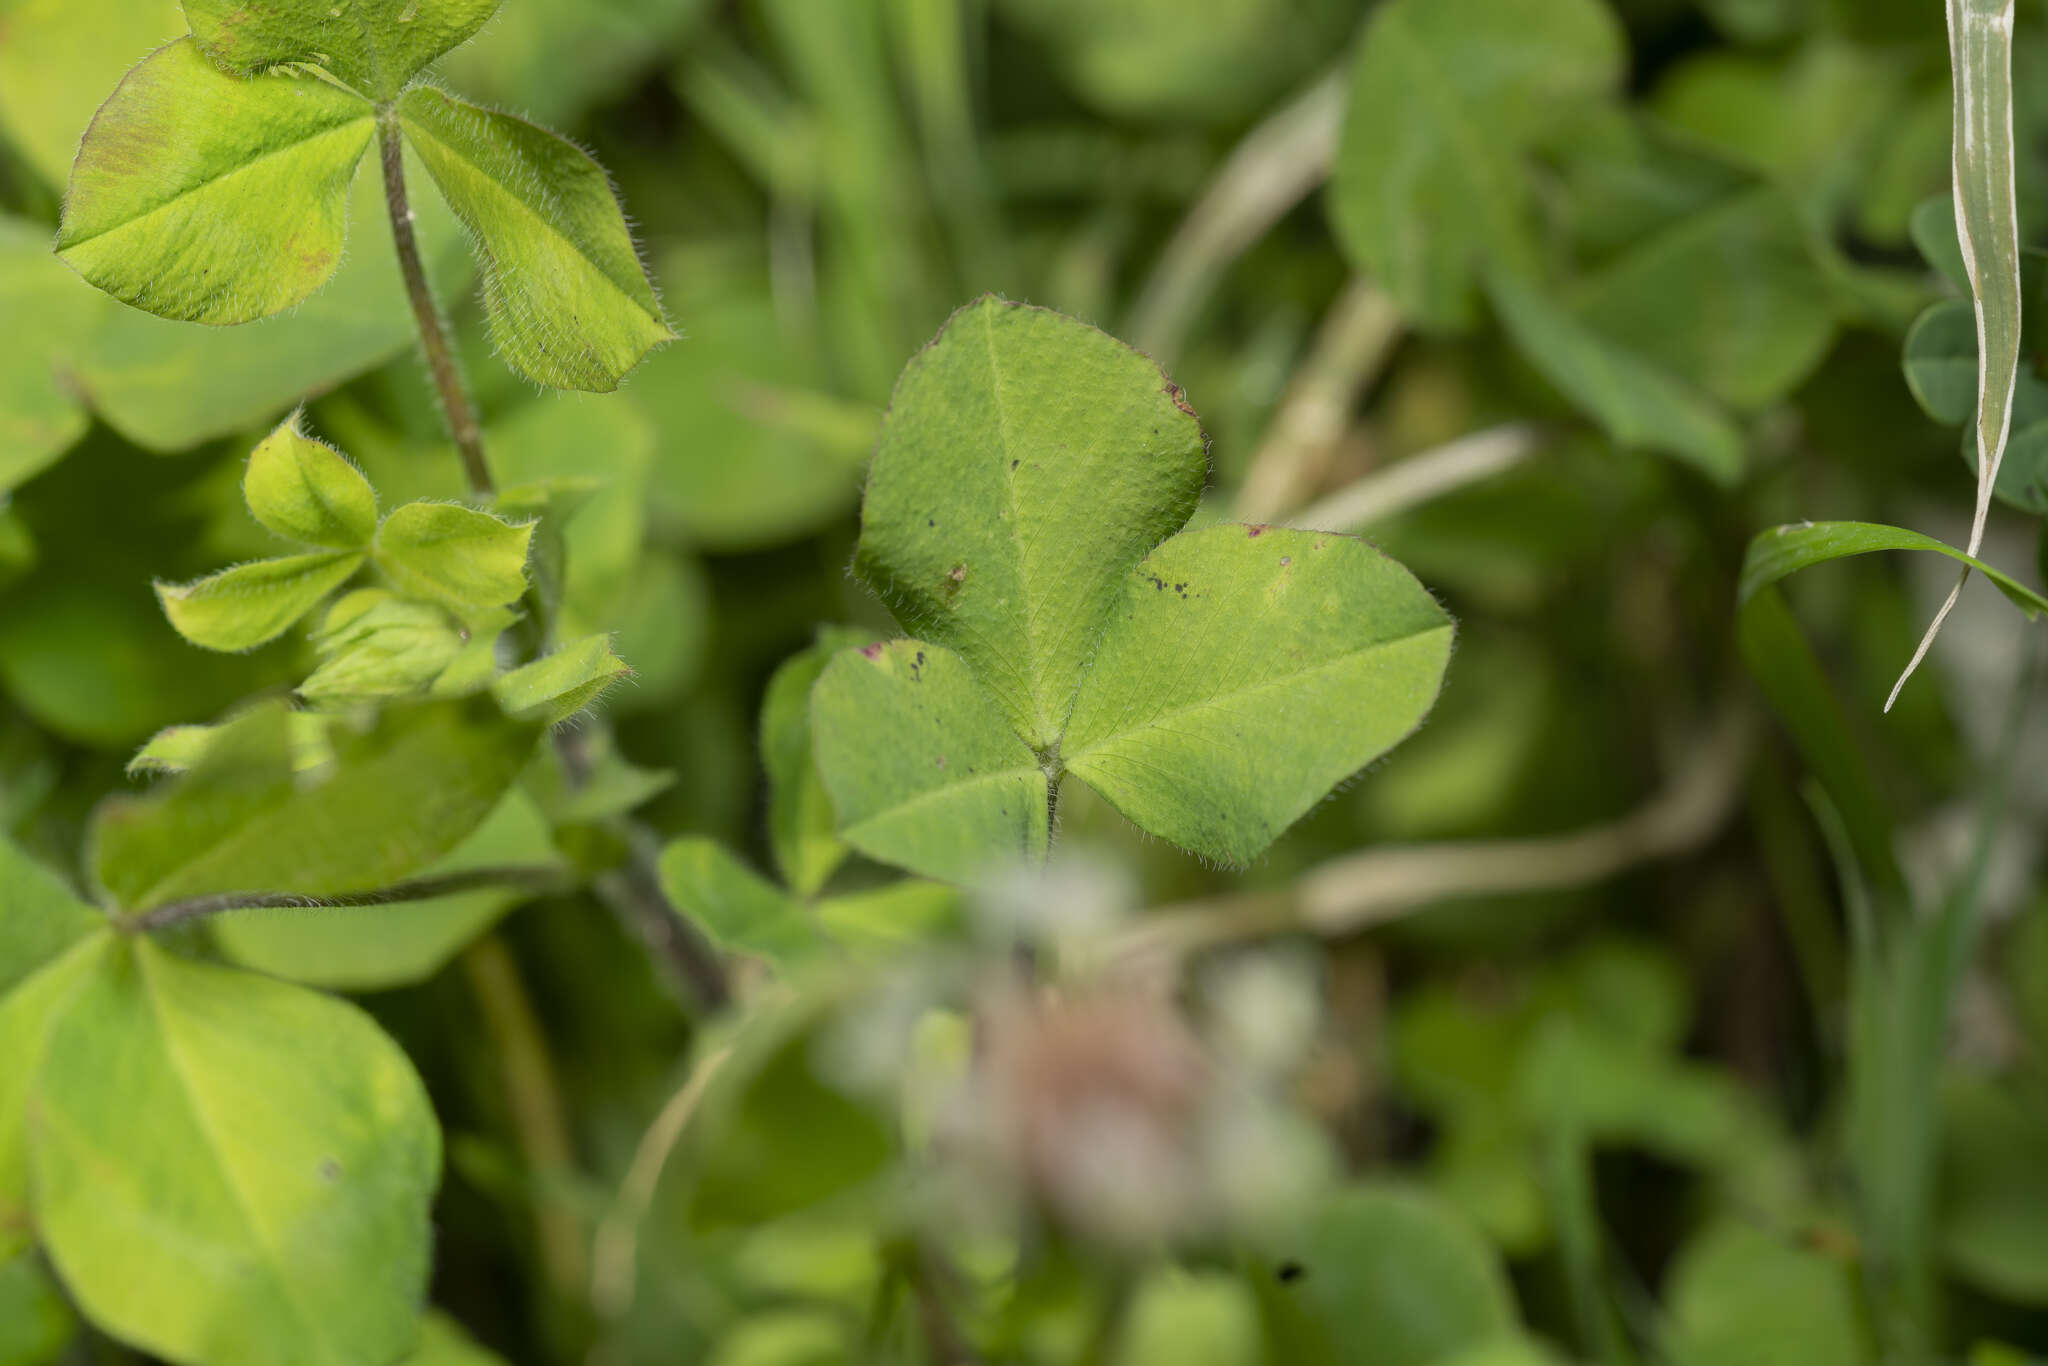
x,y
243,821
272,1208
1246,673
1637,403
801,827
1027,462
739,908
179,749
554,688
468,561
377,46
308,491
569,302
922,766
243,607
210,198
374,645
1446,97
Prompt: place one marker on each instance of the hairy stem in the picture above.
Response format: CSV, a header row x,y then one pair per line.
x,y
456,407
174,913
635,895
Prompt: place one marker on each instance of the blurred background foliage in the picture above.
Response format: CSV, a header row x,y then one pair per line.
x,y
1594,1109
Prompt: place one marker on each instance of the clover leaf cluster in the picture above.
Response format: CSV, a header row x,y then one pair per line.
x,y
213,186
1020,520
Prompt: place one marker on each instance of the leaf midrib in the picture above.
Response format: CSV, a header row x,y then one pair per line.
x,y
949,790
1158,719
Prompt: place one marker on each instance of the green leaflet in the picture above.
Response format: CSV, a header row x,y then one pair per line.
x,y
1247,671
168,386
48,938
40,418
1447,96
468,561
922,768
746,913
1941,361
374,948
801,827
305,490
26,1016
1734,1286
241,821
241,608
1785,550
1026,462
176,749
569,302
1728,297
39,917
207,198
554,688
1637,403
377,46
272,1211
1426,1282
739,908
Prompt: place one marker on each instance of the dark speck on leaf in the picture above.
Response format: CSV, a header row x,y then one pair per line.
x,y
330,1170
1290,1272
1254,531
1286,560
1013,464
873,651
929,522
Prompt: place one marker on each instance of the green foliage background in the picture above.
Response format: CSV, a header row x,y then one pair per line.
x,y
1662,999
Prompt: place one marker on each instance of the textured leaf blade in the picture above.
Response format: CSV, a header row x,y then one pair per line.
x,y
308,491
26,1013
1446,96
1637,403
1248,671
241,821
1027,461
206,198
801,827
39,917
377,46
1784,551
922,768
241,608
467,561
569,302
273,1209
739,908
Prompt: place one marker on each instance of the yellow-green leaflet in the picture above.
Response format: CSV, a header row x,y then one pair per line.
x,y
211,198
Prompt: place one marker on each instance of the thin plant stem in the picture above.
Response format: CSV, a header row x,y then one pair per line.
x,y
174,913
449,389
535,1100
636,895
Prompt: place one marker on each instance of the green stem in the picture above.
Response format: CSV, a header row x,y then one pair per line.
x,y
456,407
173,913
